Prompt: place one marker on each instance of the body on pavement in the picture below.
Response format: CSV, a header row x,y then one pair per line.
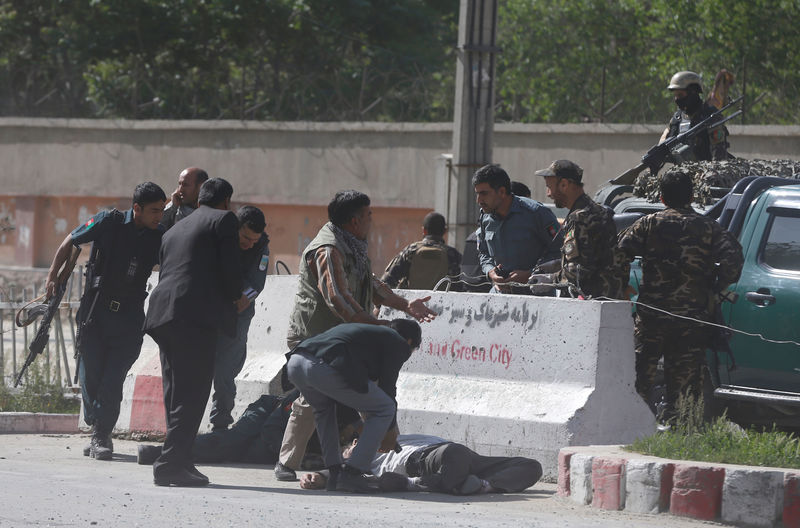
x,y
430,463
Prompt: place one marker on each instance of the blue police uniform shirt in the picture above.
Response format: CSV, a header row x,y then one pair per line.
x,y
132,252
528,232
255,263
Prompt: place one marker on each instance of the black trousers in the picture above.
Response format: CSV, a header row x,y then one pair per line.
x,y
187,370
455,462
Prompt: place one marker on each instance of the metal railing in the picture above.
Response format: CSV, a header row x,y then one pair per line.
x,y
57,361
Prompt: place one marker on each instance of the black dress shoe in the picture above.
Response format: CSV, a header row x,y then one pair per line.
x,y
147,454
284,473
180,478
354,481
194,471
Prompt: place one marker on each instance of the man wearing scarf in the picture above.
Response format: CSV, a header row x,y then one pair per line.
x,y
710,146
336,286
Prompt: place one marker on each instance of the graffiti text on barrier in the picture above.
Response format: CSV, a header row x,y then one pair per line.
x,y
495,353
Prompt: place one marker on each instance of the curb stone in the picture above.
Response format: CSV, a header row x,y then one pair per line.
x,y
609,478
37,423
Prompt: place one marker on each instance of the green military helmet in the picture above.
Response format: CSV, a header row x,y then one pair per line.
x,y
683,80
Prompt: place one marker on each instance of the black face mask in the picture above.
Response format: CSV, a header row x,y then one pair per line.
x,y
690,103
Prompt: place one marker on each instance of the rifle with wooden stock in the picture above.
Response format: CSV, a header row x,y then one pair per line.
x,y
46,311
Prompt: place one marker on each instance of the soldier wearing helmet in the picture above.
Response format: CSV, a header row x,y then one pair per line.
x,y
686,89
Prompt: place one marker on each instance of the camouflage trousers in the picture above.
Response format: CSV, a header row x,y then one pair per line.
x,y
683,348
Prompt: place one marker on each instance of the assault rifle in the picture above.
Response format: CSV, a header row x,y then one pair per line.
x,y
47,311
655,158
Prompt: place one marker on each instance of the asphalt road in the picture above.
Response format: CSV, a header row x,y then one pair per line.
x,y
46,481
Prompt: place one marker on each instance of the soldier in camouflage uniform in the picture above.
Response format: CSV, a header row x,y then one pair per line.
x,y
422,264
687,259
712,145
590,261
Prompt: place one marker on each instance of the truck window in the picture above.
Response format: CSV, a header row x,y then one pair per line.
x,y
782,247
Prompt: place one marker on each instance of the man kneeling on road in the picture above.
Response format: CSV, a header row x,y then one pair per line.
x,y
357,365
430,463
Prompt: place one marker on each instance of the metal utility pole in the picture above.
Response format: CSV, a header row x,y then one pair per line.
x,y
474,112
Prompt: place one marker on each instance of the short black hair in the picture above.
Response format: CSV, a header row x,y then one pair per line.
x,y
434,224
520,189
345,205
408,329
214,192
252,218
147,193
494,175
676,188
200,176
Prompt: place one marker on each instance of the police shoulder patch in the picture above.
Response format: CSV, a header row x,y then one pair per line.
x,y
551,229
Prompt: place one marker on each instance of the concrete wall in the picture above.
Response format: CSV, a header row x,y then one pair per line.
x,y
503,374
55,172
305,163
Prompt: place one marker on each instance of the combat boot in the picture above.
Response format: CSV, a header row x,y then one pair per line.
x,y
101,447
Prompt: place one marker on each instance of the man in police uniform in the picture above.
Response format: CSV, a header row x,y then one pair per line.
x,y
422,264
184,199
514,233
232,352
712,145
125,249
687,259
588,261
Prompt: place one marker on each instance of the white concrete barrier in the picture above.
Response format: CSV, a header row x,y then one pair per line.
x,y
517,375
503,374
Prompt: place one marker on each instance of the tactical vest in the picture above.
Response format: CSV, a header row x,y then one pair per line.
x,y
428,265
311,315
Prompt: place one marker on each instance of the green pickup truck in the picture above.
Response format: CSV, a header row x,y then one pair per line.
x,y
760,384
764,214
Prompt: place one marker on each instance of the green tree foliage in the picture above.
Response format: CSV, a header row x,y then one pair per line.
x,y
562,61
217,59
572,61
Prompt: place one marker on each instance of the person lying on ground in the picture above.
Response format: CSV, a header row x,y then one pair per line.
x,y
430,463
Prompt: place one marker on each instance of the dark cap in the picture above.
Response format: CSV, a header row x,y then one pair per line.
x,y
562,169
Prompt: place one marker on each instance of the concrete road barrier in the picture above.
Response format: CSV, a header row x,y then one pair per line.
x,y
503,374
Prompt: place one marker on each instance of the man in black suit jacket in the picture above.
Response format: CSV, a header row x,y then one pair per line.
x,y
199,282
